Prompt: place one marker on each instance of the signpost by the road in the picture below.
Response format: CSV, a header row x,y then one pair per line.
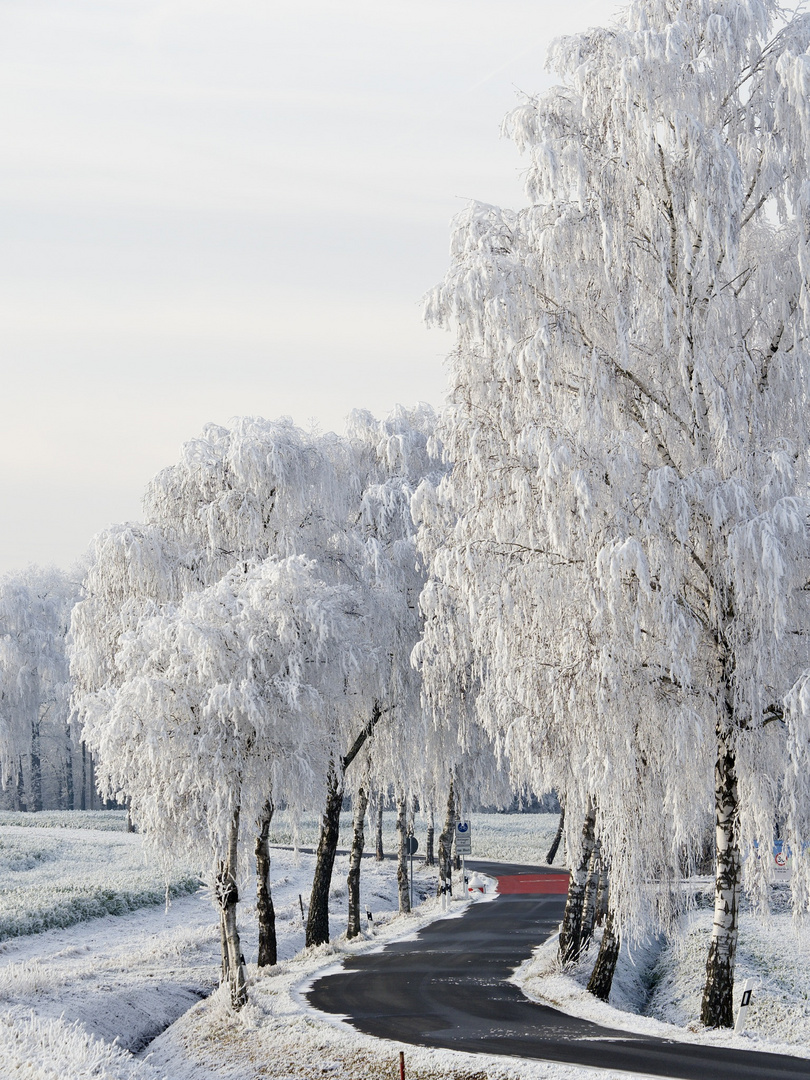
x,y
411,846
780,866
745,1002
463,846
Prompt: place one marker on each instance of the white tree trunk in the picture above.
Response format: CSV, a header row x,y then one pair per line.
x,y
716,1008
233,966
571,928
355,859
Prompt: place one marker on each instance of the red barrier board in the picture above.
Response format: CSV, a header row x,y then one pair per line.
x,y
533,883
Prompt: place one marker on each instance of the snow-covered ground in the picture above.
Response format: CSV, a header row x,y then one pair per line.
x,y
59,876
658,984
87,999
518,838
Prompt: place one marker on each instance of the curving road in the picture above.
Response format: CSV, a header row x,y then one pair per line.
x,y
448,988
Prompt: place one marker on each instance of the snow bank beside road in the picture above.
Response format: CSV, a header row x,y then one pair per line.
x,y
658,985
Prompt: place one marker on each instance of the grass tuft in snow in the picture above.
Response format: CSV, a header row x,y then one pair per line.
x,y
37,1049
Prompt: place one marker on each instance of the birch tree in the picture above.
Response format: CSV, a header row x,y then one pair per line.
x,y
35,606
628,509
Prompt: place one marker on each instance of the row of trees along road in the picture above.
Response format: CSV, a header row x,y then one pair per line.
x,y
249,645
619,557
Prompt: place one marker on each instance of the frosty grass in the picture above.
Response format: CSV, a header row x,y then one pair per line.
x,y
54,877
63,1004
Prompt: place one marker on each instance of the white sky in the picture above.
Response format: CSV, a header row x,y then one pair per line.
x,y
219,207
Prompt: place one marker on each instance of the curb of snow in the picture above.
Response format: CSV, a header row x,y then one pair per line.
x,y
541,979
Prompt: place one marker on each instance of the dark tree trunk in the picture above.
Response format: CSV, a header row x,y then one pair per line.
x,y
355,859
402,856
446,844
555,843
601,978
228,896
379,854
602,892
20,797
318,919
716,1008
92,783
83,804
268,953
71,798
36,769
589,902
430,858
570,942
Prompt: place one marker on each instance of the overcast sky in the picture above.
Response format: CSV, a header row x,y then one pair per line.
x,y
219,207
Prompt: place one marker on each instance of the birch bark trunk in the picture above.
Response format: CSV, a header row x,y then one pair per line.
x,y
268,952
228,895
83,801
589,901
430,857
601,978
570,944
355,859
402,856
69,792
318,921
717,1008
446,845
36,769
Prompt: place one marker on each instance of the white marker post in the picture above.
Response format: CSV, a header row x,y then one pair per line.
x,y
745,1001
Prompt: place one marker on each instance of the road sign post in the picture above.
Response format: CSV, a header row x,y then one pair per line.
x,y
463,847
411,846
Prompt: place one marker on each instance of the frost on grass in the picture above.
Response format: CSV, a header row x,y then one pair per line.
x,y
658,984
36,1049
775,953
103,820
56,878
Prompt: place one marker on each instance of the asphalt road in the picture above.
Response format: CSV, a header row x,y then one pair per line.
x,y
448,988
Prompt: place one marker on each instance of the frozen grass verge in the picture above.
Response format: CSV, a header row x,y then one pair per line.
x,y
37,1049
58,877
658,985
104,820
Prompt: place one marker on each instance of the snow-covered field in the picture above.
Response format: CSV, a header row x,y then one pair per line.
x,y
59,876
100,820
519,838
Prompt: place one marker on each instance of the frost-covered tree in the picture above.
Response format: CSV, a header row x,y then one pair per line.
x,y
627,520
35,718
